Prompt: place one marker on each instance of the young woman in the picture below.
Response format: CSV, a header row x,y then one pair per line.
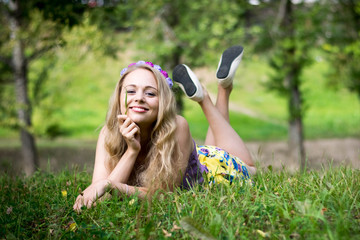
x,y
145,146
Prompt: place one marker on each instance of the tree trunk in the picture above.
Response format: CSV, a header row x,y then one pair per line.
x,y
296,140
19,65
296,137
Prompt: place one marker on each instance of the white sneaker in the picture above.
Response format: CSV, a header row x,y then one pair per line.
x,y
188,82
228,64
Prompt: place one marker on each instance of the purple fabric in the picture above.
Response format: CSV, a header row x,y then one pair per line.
x,y
194,170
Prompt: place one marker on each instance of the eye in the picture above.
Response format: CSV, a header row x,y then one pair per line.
x,y
130,91
150,94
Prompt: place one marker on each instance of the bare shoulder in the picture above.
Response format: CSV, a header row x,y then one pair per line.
x,y
104,130
102,135
100,147
181,120
183,129
183,136
184,141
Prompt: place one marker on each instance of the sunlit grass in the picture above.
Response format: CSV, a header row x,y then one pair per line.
x,y
315,205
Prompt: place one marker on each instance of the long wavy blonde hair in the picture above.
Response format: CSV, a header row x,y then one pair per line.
x,y
161,168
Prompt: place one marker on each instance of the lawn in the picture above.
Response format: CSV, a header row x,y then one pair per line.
x,y
315,205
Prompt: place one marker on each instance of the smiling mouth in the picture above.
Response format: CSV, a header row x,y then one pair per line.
x,y
139,109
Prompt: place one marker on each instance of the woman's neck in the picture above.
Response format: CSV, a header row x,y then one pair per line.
x,y
145,136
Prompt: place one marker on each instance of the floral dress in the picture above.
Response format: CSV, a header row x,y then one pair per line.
x,y
220,166
216,165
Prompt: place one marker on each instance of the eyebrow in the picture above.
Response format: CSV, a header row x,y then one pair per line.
x,y
133,85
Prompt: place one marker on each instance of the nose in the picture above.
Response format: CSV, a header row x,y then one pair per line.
x,y
139,97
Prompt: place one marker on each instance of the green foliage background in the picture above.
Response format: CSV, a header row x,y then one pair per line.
x,y
75,97
70,86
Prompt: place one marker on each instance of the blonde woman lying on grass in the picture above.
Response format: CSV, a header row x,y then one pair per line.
x,y
145,146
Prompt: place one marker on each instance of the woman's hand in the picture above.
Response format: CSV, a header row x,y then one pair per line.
x,y
91,194
130,131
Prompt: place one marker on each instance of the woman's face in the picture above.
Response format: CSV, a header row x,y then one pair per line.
x,y
142,97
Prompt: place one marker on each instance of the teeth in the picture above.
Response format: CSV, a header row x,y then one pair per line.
x,y
138,109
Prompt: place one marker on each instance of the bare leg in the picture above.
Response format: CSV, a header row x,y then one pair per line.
x,y
223,135
220,132
222,104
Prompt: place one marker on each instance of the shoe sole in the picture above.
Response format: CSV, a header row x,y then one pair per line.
x,y
181,76
227,58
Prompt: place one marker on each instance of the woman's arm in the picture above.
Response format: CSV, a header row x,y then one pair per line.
x,y
129,190
98,189
122,170
100,171
185,141
131,133
102,177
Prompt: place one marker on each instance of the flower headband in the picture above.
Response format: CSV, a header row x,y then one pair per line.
x,y
157,67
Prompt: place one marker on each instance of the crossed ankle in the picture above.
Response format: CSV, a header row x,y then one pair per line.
x,y
228,88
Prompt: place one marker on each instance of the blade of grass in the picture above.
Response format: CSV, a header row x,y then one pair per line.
x,y
126,104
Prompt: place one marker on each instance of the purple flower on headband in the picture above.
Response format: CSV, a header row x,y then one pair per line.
x,y
123,71
164,73
169,81
157,67
150,64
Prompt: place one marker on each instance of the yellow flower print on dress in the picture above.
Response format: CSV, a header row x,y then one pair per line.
x,y
222,167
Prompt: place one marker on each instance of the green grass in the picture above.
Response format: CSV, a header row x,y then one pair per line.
x,y
315,205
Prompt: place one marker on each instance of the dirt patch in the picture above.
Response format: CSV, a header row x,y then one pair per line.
x,y
320,153
54,159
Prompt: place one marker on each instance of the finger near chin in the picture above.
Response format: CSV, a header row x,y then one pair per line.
x,y
133,125
126,122
124,125
133,132
121,117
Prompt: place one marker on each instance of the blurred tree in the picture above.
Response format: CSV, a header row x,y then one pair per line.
x,y
291,36
341,32
25,38
52,77
288,74
193,30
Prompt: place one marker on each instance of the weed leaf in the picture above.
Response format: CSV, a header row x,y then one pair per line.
x,y
263,234
189,225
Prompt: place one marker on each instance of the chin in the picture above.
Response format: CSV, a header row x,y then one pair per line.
x,y
141,120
